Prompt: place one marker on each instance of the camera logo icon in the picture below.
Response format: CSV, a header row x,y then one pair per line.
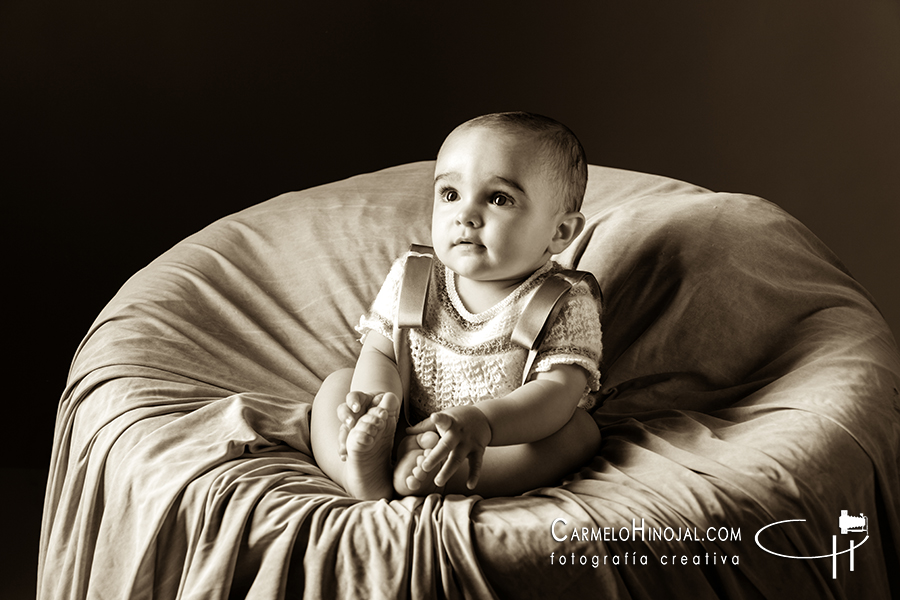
x,y
848,523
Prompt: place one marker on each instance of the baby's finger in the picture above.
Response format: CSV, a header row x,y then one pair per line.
x,y
439,453
421,427
450,467
442,422
346,416
476,459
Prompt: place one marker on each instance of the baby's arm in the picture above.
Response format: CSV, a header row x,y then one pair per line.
x,y
376,374
532,412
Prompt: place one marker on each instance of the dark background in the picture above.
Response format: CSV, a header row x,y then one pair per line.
x,y
127,126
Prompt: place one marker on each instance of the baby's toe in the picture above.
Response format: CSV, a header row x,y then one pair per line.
x,y
390,403
428,440
372,424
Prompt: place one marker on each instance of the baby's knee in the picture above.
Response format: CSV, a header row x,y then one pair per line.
x,y
335,387
341,377
340,380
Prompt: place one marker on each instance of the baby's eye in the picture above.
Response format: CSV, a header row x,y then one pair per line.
x,y
450,195
500,200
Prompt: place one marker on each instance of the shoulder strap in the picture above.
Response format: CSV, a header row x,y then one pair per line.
x,y
414,287
411,310
543,309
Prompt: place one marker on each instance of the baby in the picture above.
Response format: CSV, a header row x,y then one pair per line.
x,y
508,189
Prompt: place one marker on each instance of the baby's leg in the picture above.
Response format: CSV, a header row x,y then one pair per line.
x,y
509,470
367,472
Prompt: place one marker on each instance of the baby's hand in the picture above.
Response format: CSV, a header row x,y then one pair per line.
x,y
355,406
465,433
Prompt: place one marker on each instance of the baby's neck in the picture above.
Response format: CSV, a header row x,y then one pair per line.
x,y
479,296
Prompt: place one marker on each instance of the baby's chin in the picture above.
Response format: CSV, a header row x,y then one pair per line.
x,y
494,277
476,262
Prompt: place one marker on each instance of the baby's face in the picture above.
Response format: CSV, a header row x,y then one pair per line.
x,y
496,212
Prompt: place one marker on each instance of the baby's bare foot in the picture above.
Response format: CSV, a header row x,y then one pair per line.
x,y
369,444
409,477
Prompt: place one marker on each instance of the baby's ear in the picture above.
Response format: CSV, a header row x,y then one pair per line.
x,y
570,227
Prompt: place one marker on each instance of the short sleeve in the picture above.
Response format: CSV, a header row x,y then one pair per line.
x,y
575,337
381,315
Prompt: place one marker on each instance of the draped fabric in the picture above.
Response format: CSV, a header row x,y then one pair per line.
x,y
749,395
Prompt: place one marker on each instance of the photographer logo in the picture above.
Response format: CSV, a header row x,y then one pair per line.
x,y
846,523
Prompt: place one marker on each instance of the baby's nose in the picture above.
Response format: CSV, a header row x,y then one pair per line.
x,y
468,215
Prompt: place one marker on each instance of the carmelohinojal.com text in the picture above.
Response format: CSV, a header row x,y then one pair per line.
x,y
561,532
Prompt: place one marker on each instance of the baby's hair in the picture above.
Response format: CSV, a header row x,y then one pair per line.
x,y
566,156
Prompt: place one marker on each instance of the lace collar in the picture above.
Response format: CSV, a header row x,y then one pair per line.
x,y
474,318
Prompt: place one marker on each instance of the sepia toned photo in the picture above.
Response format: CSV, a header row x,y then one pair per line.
x,y
452,300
